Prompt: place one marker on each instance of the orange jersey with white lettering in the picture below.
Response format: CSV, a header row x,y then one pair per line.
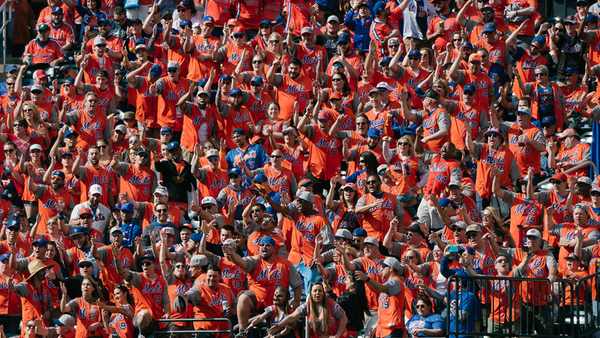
x,y
44,53
62,34
168,112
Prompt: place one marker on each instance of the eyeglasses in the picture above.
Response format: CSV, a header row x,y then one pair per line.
x,y
35,151
471,236
256,210
179,266
17,125
488,215
8,151
85,217
559,29
457,230
420,306
276,156
456,39
403,143
257,61
181,10
144,263
487,12
119,74
161,210
85,266
273,41
361,123
92,101
226,83
410,257
337,79
143,155
372,182
413,58
103,146
539,74
29,326
503,260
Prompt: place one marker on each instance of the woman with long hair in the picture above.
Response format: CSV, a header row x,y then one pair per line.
x,y
90,13
368,164
293,149
406,167
89,321
36,128
34,169
272,124
258,69
427,60
340,84
412,279
53,233
275,51
343,209
325,317
265,30
275,313
120,323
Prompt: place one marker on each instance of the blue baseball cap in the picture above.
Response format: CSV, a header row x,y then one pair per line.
x,y
226,77
41,242
256,79
156,70
444,202
209,19
378,8
572,70
267,240
126,206
493,131
70,81
70,132
235,91
196,237
173,145
359,232
5,256
59,174
489,27
410,130
13,224
104,21
11,68
549,120
385,60
469,88
235,171
467,44
148,257
344,38
539,42
374,132
260,177
238,131
265,22
414,52
202,82
80,230
59,10
591,18
117,206
185,23
166,129
19,214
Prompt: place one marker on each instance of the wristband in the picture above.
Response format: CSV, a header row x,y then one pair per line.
x,y
368,279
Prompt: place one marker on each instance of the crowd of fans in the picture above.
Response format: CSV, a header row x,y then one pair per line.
x,y
336,161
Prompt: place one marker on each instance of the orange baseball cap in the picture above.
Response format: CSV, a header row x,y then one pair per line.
x,y
474,57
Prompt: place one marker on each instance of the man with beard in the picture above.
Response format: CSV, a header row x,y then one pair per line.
x,y
170,89
378,209
253,156
100,211
49,198
381,30
113,43
211,178
204,47
162,222
525,141
146,103
235,115
106,256
279,272
435,120
89,123
85,247
443,169
60,31
149,291
442,27
199,120
492,153
43,50
475,28
484,93
291,87
176,174
93,173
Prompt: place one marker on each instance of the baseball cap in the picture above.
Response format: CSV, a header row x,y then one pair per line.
x,y
167,14
414,52
344,38
13,224
59,174
238,31
474,57
386,59
67,153
382,169
304,182
493,131
256,79
393,42
585,180
384,85
343,233
198,260
149,257
572,70
41,242
539,42
455,183
143,151
126,206
591,18
212,153
208,19
571,19
116,229
549,120
129,115
235,91
196,237
37,88
333,18
559,177
208,200
432,94
372,241
173,65
40,74
572,255
349,185
85,211
235,171
185,22
85,260
238,131
533,233
489,27
35,147
265,23
524,110
135,22
156,70
4,256
378,8
569,132
79,231
161,191
230,242
11,68
166,129
98,41
233,22
392,262
324,115
121,128
184,5
260,177
336,96
415,228
474,228
444,202
173,145
374,132
65,320
307,197
42,27
57,10
469,88
467,44
307,30
359,232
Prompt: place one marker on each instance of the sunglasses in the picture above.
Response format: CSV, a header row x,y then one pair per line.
x,y
468,93
27,109
361,123
457,230
35,151
559,29
172,70
207,208
257,61
420,306
179,266
488,215
539,74
502,261
17,125
133,141
181,10
471,236
487,12
337,79
226,83
274,41
10,83
143,155
85,266
104,146
413,58
410,257
276,156
372,182
144,263
118,234
403,143
256,210
161,210
8,151
85,217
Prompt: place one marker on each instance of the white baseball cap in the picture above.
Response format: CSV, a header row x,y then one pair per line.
x,y
95,189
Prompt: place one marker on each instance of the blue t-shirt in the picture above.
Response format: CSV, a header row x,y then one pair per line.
x,y
432,322
546,101
467,305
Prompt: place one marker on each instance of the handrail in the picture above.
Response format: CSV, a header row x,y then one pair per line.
x,y
230,331
579,166
4,26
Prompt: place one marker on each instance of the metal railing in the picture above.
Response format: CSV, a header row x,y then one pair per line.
x,y
5,22
579,166
187,320
511,306
588,328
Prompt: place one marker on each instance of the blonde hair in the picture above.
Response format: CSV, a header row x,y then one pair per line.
x,y
278,36
416,252
411,146
323,325
37,119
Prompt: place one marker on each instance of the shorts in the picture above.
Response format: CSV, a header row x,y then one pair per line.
x,y
30,203
256,305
